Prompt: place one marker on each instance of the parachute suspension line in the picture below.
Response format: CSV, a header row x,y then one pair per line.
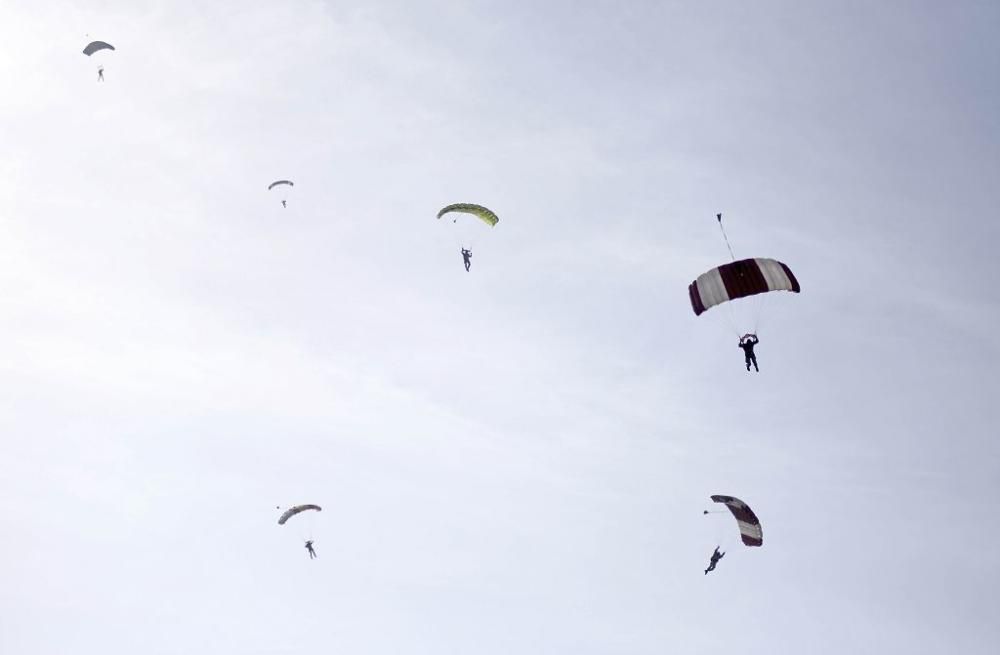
x,y
305,530
464,240
733,325
759,310
723,229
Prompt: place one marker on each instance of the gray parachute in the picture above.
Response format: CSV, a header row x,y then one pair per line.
x,y
298,509
96,46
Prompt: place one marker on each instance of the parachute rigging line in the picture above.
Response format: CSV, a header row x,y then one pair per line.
x,y
719,216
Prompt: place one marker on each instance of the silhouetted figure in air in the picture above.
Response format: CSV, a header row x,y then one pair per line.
x,y
716,556
467,258
100,74
747,342
284,203
309,547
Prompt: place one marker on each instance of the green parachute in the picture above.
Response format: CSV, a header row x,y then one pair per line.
x,y
480,212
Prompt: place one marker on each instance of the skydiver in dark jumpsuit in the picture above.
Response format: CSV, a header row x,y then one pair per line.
x,y
284,203
747,342
716,556
467,258
309,547
100,74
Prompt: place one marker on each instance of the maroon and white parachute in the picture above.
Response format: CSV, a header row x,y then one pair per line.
x,y
749,524
746,277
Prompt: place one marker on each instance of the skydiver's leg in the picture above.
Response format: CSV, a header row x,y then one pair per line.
x,y
754,364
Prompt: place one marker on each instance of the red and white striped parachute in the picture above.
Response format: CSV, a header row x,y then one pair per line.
x,y
749,524
746,277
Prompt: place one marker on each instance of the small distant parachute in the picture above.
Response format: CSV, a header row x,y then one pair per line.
x,y
747,521
282,183
739,279
96,46
478,211
298,509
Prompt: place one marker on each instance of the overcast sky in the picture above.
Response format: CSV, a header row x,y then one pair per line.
x,y
513,460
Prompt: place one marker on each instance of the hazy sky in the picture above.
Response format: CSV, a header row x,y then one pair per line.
x,y
513,460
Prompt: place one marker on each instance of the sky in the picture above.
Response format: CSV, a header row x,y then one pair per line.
x,y
514,459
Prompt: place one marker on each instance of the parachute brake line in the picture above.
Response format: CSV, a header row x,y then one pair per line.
x,y
719,216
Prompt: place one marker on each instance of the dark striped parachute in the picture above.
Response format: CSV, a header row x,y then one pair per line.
x,y
480,212
298,509
95,46
747,521
739,279
279,183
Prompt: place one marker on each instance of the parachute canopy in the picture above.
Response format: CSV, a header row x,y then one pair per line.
x,y
478,211
749,524
298,509
95,46
740,279
280,182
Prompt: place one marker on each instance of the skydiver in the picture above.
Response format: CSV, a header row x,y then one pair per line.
x,y
284,203
100,73
747,342
716,556
309,547
467,258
